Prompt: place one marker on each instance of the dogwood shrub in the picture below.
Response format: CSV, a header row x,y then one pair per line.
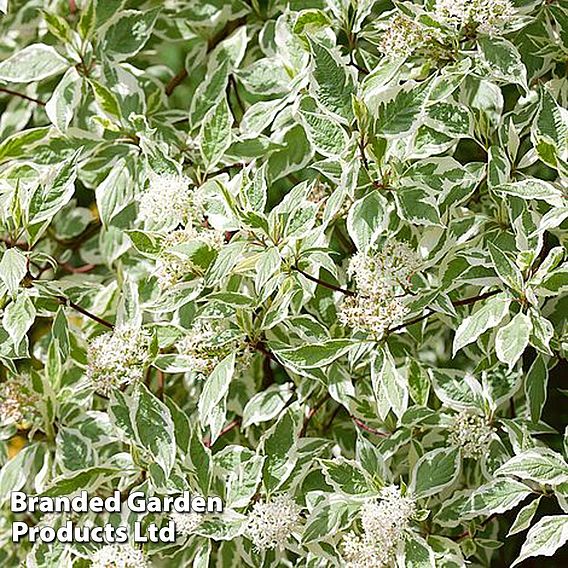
x,y
306,256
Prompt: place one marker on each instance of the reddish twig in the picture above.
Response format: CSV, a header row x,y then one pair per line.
x,y
464,302
363,426
467,533
261,348
67,302
175,81
211,44
228,428
313,411
474,299
21,96
160,381
323,283
77,269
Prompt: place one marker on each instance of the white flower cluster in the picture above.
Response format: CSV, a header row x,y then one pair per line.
x,y
271,523
18,403
381,279
401,37
167,202
117,358
173,265
186,523
205,345
387,269
384,522
360,552
485,16
119,556
374,314
472,433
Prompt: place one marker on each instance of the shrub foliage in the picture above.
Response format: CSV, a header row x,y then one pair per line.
x,y
307,256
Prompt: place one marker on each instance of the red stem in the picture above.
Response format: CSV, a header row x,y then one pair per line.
x,y
67,302
228,428
323,283
21,96
363,426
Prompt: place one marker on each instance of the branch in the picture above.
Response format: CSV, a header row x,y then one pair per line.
x,y
74,243
234,86
160,380
474,299
212,43
363,426
9,244
67,302
313,411
337,410
175,81
324,284
261,348
77,269
467,533
21,96
228,428
464,302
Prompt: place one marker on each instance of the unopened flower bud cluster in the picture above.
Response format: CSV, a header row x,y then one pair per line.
x,y
173,265
271,523
403,35
472,433
384,522
18,403
169,205
381,279
118,358
207,343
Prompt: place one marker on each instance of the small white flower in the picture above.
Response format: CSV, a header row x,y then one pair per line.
x,y
186,523
374,314
172,269
389,268
119,556
18,402
360,552
172,265
204,346
381,278
472,433
271,523
167,202
486,16
401,37
384,521
117,358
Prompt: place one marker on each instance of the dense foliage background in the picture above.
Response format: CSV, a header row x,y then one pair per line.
x,y
309,256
